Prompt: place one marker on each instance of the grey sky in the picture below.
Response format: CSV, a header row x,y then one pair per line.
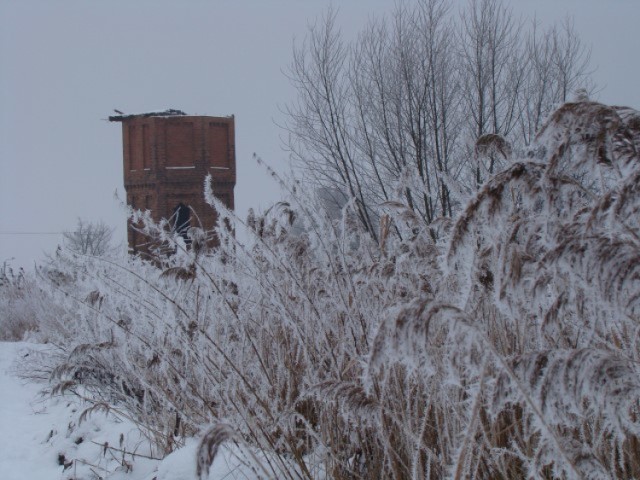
x,y
65,65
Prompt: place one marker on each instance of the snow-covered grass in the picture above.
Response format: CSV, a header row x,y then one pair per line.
x,y
43,438
508,348
20,308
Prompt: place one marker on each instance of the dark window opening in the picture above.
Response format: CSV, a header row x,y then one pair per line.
x,y
181,221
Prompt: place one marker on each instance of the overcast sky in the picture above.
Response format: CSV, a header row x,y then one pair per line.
x,y
65,65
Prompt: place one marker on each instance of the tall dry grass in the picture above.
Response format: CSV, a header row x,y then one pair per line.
x,y
23,305
508,349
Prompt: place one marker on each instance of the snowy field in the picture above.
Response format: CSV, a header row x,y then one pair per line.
x,y
42,438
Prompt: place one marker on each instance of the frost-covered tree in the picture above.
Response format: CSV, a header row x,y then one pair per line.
x,y
394,114
89,238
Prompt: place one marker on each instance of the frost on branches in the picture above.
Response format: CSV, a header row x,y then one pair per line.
x,y
508,349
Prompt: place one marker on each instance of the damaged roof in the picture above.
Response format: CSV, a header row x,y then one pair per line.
x,y
160,113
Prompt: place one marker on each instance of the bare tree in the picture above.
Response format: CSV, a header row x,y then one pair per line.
x,y
493,67
89,238
394,115
374,119
402,81
320,121
557,65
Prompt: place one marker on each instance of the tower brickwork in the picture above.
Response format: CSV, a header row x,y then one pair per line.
x,y
166,157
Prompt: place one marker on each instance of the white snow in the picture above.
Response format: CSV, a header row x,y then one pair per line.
x,y
36,429
25,422
181,465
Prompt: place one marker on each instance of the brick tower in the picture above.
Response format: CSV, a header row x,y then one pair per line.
x,y
167,156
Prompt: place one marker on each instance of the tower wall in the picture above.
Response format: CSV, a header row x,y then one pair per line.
x,y
166,159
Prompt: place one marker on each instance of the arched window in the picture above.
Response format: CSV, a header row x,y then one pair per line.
x,y
181,221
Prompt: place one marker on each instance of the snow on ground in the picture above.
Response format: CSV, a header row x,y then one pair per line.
x,y
25,423
42,439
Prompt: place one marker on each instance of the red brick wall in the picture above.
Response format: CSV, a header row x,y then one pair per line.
x,y
165,162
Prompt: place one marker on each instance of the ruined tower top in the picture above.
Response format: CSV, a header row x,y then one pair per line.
x,y
166,156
